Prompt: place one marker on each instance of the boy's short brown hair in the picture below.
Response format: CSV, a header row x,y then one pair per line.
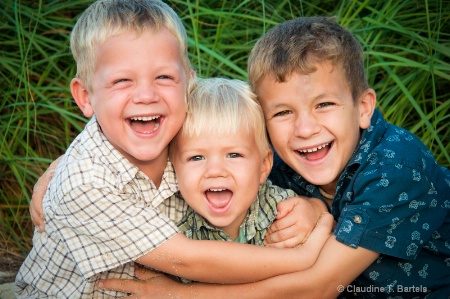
x,y
298,45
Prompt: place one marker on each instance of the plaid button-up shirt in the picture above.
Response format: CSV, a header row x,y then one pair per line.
x,y
102,213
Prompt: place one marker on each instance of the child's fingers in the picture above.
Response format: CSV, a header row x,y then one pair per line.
x,y
287,233
123,285
284,207
159,287
36,212
145,274
39,189
295,241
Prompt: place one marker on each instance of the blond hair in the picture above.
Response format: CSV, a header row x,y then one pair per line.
x,y
219,106
106,18
298,45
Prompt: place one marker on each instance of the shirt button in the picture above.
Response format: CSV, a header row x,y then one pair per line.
x,y
357,219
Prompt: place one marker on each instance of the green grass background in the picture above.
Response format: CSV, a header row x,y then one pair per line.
x,y
406,43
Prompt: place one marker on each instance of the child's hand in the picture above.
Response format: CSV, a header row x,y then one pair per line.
x,y
36,212
296,218
150,285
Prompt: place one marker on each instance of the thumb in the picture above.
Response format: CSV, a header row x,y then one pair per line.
x,y
284,207
321,231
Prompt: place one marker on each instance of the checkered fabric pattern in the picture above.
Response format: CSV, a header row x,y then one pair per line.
x,y
102,213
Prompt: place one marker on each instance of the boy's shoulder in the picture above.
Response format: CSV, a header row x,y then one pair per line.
x,y
383,142
387,150
92,158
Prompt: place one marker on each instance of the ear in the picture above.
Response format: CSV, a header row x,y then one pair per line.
x,y
267,164
81,96
192,82
192,74
367,103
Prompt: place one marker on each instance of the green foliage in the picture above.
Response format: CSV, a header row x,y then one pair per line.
x,y
406,43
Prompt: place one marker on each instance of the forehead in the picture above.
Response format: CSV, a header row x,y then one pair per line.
x,y
326,67
148,49
324,78
210,140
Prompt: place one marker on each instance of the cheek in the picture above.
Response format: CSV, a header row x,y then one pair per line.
x,y
277,134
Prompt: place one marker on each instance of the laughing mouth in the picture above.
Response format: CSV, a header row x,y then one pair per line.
x,y
218,197
145,124
314,150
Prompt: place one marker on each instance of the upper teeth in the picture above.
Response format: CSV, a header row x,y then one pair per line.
x,y
144,118
216,190
310,150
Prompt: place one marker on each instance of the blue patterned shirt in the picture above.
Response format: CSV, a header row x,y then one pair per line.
x,y
392,198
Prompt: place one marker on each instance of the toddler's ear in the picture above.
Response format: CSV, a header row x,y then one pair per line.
x,y
81,96
266,166
367,103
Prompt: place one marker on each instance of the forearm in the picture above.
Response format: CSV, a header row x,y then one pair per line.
x,y
322,280
225,262
293,285
229,262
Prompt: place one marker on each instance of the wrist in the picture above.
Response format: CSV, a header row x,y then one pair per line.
x,y
319,206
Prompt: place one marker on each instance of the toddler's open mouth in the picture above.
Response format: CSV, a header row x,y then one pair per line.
x,y
218,198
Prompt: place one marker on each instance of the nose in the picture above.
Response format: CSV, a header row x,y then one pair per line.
x,y
215,167
145,93
306,125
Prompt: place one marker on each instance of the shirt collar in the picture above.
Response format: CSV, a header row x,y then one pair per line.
x,y
255,220
124,170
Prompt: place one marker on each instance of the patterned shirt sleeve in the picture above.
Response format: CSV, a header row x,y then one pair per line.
x,y
395,211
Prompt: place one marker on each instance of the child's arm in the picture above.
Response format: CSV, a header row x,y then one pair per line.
x,y
199,261
326,279
229,262
36,212
296,219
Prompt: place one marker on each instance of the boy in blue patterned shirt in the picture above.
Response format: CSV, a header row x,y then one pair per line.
x,y
384,188
388,195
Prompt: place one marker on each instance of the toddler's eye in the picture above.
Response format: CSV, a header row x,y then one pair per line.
x,y
234,155
196,158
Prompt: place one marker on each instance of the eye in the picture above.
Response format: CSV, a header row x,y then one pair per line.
x,y
196,158
120,80
282,113
234,155
325,104
164,77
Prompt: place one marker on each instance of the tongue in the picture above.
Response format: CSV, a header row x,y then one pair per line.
x,y
144,126
319,154
219,199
